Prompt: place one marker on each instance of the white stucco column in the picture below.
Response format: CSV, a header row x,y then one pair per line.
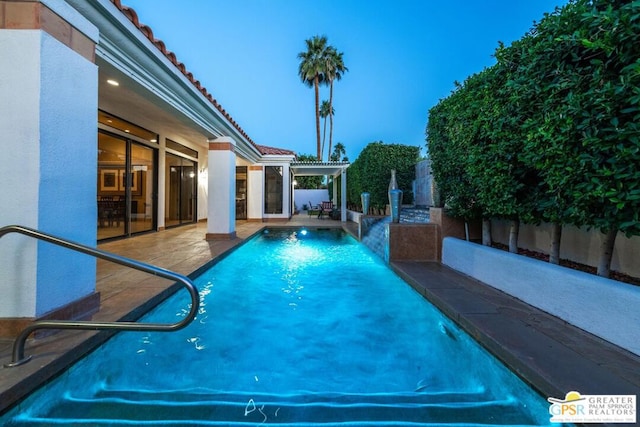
x,y
343,196
49,93
221,199
255,191
287,190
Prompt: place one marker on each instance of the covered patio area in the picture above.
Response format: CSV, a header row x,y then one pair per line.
x,y
332,169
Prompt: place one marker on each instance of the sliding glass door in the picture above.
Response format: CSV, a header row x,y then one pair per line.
x,y
112,162
181,190
141,184
241,192
126,187
273,201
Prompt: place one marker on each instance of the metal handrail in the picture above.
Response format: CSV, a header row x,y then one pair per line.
x,y
18,346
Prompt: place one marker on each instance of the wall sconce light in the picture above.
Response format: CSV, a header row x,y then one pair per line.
x,y
203,174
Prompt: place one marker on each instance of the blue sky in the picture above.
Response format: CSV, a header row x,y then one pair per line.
x,y
403,57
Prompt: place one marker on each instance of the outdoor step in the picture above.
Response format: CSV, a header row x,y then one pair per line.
x,y
201,393
233,409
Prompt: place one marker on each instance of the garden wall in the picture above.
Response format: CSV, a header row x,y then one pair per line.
x,y
303,197
603,307
578,245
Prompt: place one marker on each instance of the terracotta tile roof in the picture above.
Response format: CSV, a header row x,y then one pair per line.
x,y
146,30
264,150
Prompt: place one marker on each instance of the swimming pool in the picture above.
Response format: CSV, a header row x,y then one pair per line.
x,y
306,328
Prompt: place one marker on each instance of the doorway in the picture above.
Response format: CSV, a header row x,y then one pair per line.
x,y
181,190
241,192
126,187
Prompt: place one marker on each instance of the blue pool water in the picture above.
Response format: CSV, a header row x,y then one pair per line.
x,y
294,329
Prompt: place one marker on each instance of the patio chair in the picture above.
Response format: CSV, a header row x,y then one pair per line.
x,y
325,209
313,210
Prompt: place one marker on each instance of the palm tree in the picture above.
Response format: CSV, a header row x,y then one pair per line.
x,y
334,69
312,73
339,150
325,111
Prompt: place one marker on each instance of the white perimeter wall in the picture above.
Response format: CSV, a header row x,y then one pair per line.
x,y
577,245
315,196
603,307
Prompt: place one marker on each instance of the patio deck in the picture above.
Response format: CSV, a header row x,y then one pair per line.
x,y
550,354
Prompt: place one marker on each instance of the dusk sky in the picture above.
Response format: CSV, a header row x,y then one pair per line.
x,y
403,56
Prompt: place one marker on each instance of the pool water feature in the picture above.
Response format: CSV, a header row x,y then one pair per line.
x,y
377,237
376,229
295,328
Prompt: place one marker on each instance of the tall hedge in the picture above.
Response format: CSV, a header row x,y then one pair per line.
x,y
551,131
371,173
448,149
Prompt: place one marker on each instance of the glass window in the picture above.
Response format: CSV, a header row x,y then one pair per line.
x,y
241,192
181,183
141,184
112,157
273,189
127,127
181,149
125,200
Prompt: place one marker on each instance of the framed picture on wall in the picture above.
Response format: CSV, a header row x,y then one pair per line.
x,y
109,179
135,181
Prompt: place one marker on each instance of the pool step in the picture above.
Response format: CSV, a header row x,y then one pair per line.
x,y
135,407
201,393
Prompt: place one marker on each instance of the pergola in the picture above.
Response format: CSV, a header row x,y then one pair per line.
x,y
334,169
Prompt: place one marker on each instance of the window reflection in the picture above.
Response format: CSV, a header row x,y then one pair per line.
x,y
125,187
181,189
273,189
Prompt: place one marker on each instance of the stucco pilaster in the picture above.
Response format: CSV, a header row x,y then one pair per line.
x,y
48,123
255,203
221,219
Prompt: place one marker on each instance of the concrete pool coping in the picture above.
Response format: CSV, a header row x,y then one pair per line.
x,y
551,355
